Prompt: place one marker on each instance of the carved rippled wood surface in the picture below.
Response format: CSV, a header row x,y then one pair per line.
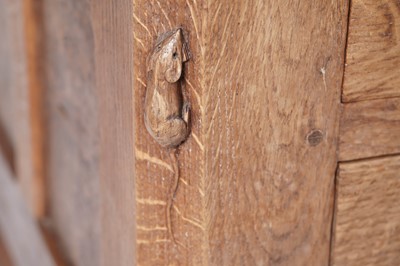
x,y
257,170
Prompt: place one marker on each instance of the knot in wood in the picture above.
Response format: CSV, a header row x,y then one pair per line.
x,y
315,137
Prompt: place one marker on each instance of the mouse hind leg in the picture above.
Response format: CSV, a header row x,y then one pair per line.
x,y
173,132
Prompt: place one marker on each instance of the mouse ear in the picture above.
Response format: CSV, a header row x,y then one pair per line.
x,y
185,53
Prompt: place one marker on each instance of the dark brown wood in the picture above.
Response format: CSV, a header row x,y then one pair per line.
x,y
113,36
369,129
257,169
367,228
373,51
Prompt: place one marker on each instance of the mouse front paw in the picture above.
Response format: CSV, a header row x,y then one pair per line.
x,y
186,112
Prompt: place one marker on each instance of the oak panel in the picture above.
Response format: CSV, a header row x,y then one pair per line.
x,y
257,170
367,229
369,129
373,51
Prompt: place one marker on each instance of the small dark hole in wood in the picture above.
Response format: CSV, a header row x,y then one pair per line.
x,y
315,137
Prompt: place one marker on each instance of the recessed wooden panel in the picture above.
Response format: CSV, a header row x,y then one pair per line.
x,y
367,229
373,51
257,170
369,128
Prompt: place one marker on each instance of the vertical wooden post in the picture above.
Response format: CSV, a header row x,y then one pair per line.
x,y
112,26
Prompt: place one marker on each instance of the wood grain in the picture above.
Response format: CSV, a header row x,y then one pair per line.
x,y
257,169
18,229
373,51
369,129
367,230
112,28
72,129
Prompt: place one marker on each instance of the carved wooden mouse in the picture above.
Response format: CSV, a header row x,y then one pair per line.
x,y
166,112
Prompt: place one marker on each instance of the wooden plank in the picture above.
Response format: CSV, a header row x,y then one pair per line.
x,y
17,227
72,144
367,230
112,29
257,170
369,128
373,51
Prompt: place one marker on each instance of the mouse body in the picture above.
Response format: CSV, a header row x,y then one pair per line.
x,y
166,111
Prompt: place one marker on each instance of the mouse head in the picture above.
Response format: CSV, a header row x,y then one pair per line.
x,y
168,56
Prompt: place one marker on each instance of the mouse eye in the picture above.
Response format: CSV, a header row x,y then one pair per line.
x,y
175,55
